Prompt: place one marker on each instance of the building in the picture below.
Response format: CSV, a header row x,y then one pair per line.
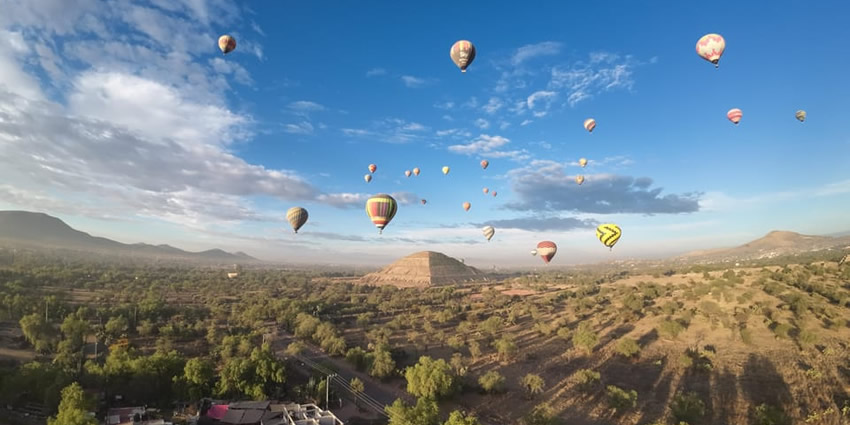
x,y
231,275
267,413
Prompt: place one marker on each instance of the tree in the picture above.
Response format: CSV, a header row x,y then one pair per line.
x,y
295,348
116,327
459,364
474,349
621,399
75,330
426,412
36,331
357,357
506,347
199,374
533,384
542,414
456,342
492,326
383,364
460,418
585,338
687,407
491,381
628,347
74,408
357,387
429,378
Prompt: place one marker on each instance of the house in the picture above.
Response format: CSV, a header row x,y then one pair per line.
x,y
231,275
131,416
267,413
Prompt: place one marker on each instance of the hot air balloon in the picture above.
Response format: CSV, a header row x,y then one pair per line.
x,y
416,171
424,202
445,170
484,163
462,54
494,193
801,115
547,250
226,43
407,173
579,180
466,205
297,216
710,47
488,231
534,252
485,190
582,162
734,115
381,210
589,124
372,168
368,178
608,234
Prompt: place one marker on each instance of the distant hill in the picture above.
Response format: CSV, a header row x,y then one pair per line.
x,y
44,230
424,269
772,245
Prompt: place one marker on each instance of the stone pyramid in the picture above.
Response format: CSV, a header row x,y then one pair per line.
x,y
423,269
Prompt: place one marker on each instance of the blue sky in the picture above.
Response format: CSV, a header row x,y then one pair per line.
x,y
124,119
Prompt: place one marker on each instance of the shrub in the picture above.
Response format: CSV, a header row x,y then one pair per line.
x,y
670,328
746,336
619,398
807,337
586,378
491,381
687,407
628,347
585,338
781,330
766,414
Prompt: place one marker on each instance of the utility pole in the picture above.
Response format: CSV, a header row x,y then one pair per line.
x,y
328,391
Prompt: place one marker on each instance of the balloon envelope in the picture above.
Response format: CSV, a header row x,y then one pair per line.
x,y
485,190
424,202
407,173
484,164
466,205
734,115
533,252
710,47
381,210
462,54
547,250
579,180
582,162
416,171
367,177
494,193
589,124
488,231
372,168
445,170
296,216
226,43
608,234
801,115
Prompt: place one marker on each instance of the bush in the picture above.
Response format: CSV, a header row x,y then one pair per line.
x,y
619,398
670,328
585,338
687,407
766,414
491,381
807,338
586,378
628,347
747,336
781,330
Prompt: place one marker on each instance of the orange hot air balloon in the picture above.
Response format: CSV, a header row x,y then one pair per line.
x,y
734,115
589,124
462,54
381,210
486,190
407,173
416,171
466,205
367,177
372,168
226,43
546,250
579,180
484,164
710,47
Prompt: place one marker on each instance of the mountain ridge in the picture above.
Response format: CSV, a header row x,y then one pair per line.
x,y
773,244
45,230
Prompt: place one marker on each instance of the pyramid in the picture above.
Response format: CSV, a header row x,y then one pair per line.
x,y
424,269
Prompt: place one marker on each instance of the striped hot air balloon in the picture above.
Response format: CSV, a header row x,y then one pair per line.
x,y
547,250
488,231
466,206
226,43
710,47
608,234
462,54
734,115
484,163
800,115
589,124
372,168
381,209
296,216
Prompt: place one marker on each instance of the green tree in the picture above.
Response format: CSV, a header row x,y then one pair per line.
x,y
542,414
491,381
295,348
586,378
585,338
75,330
475,349
357,357
74,408
383,364
628,347
621,399
116,327
506,347
429,378
425,412
460,418
492,326
459,364
36,331
533,384
357,387
687,407
199,374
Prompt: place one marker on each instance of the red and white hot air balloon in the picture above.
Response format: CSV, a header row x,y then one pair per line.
x,y
484,163
734,115
710,47
546,250
589,124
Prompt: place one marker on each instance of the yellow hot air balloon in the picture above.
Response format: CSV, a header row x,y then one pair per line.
x,y
710,47
297,216
608,234
368,178
589,124
582,162
416,171
466,205
226,43
801,115
381,210
462,54
445,170
579,179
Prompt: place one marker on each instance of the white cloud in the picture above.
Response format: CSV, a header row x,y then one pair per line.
x,y
484,143
525,122
306,106
239,73
604,72
544,95
504,125
302,127
390,130
529,51
493,105
411,81
444,105
375,72
482,123
719,201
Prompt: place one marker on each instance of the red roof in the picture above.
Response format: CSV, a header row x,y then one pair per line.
x,y
217,411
